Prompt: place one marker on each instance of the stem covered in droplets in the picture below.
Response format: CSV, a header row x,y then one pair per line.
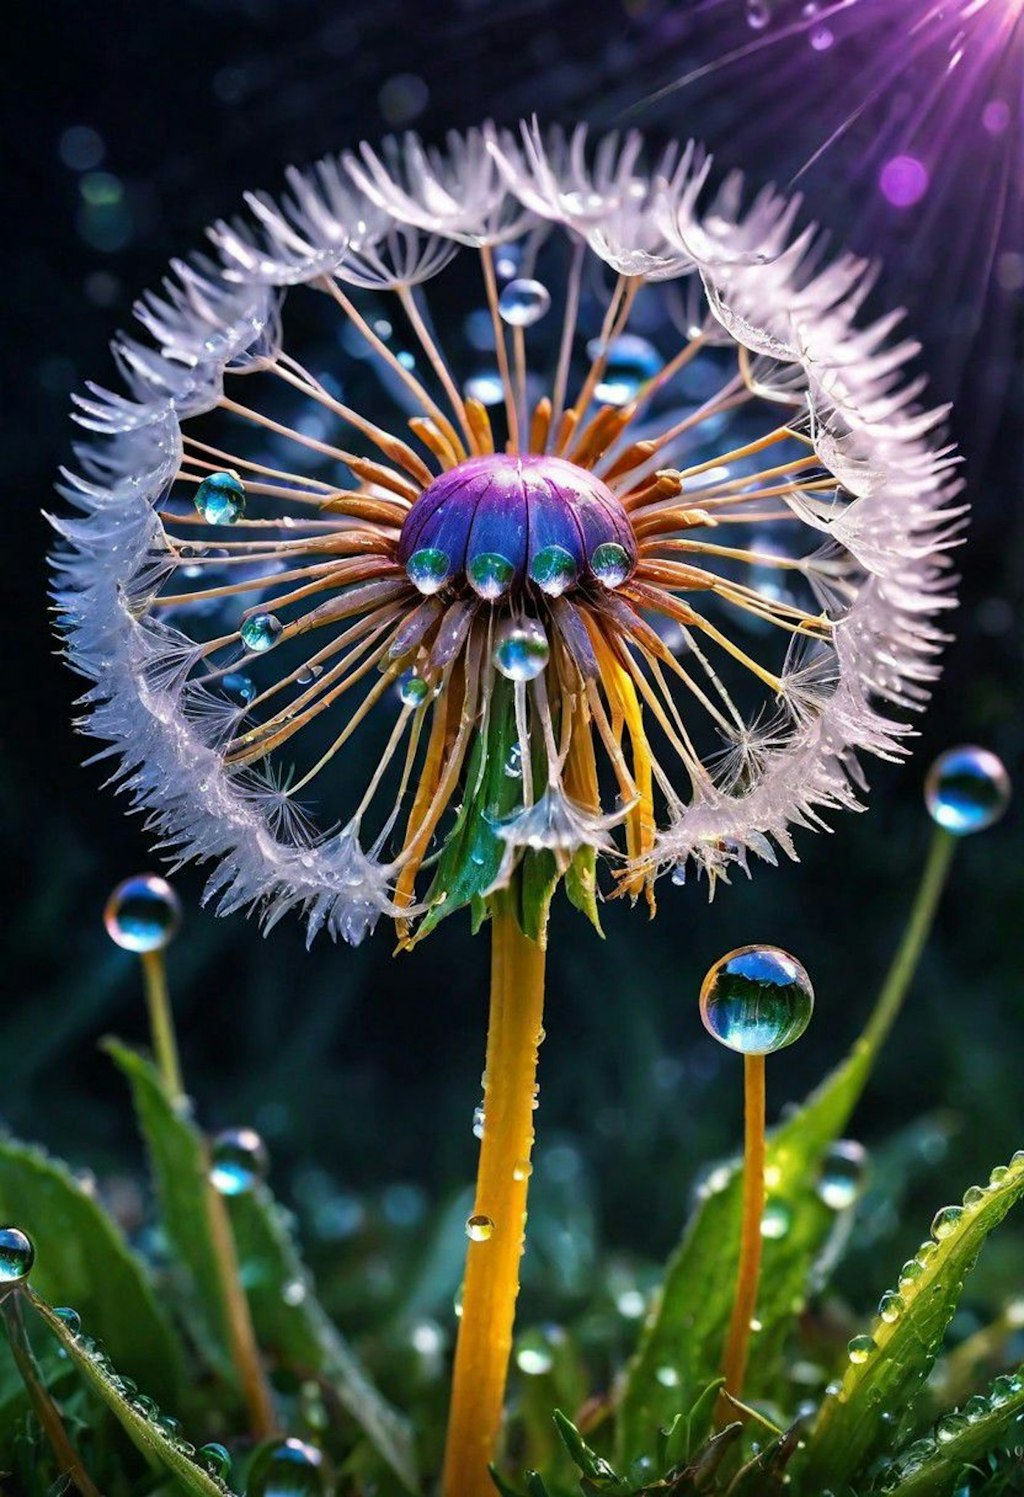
x,y
499,1213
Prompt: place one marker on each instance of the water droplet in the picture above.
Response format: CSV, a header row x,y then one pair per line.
x,y
490,575
216,1460
289,1468
521,650
974,1195
238,1161
842,1174
260,632
428,569
610,564
220,499
891,1306
307,674
17,1256
478,1122
758,14
479,1229
143,913
553,569
523,302
522,1170
71,1318
239,687
945,1222
514,763
631,362
534,1355
413,690
756,1000
776,1220
948,1427
967,790
998,1175
975,1408
860,1348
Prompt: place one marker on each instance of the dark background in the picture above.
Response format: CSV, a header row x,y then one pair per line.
x,y
360,1068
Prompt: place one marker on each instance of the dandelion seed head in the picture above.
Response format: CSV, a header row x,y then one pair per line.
x,y
497,506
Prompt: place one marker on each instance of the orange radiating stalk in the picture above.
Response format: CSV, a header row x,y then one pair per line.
x,y
737,1347
492,1262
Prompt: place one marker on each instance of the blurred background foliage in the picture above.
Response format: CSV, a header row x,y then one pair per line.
x,y
129,129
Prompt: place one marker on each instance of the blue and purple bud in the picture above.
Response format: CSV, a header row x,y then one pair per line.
x,y
503,522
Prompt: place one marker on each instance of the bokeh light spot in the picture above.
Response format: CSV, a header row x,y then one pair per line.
x,y
903,180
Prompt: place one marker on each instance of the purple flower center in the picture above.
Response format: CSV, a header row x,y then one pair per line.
x,y
504,522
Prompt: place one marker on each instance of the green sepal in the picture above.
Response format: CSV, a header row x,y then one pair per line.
x,y
159,1446
689,1432
581,885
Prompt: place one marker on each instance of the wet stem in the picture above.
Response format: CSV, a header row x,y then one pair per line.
x,y
737,1347
161,1023
46,1410
492,1265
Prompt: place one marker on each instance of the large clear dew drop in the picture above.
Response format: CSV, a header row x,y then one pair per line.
x,y
143,914
756,1000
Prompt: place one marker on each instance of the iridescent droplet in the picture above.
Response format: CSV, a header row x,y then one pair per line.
x,y
290,1468
490,575
521,649
523,302
775,1220
553,569
945,1222
756,1000
428,569
842,1174
238,1161
216,1460
610,564
860,1348
631,362
220,499
413,690
260,632
143,913
69,1317
967,790
17,1256
479,1228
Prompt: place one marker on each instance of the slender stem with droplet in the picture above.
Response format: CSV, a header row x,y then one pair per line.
x,y
737,1347
161,1023
245,1353
46,1410
492,1265
908,954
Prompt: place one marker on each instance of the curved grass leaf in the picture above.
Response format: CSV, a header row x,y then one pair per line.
x,y
887,1370
82,1260
681,1344
178,1160
288,1320
162,1447
293,1327
935,1465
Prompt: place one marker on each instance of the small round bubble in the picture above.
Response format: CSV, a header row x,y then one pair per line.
x,y
553,569
756,1000
261,632
521,649
610,564
967,790
479,1228
428,569
69,1317
859,1349
523,302
143,914
216,1460
490,575
842,1174
289,1468
413,690
16,1257
238,1161
220,499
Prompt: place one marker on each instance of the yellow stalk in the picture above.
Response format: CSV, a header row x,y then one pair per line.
x,y
492,1262
737,1347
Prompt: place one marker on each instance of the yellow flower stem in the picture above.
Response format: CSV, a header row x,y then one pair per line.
x,y
492,1265
737,1347
46,1410
245,1353
161,1023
